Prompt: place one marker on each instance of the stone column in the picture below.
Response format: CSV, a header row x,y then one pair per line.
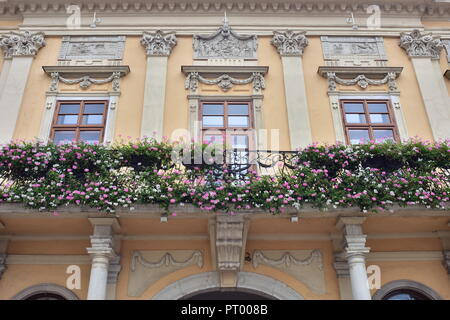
x,y
158,46
354,253
424,51
22,47
290,46
102,252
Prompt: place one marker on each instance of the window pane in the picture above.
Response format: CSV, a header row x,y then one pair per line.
x,y
90,136
380,118
72,108
355,118
378,107
353,107
63,136
238,122
94,108
216,139
93,119
358,136
209,121
213,109
382,135
238,109
239,142
68,119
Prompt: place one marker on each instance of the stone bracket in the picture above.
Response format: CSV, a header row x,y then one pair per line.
x,y
228,235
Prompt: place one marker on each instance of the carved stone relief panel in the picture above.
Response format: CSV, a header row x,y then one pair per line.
x,y
147,267
353,51
304,265
91,50
225,44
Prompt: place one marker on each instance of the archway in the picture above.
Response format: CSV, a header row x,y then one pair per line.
x,y
249,283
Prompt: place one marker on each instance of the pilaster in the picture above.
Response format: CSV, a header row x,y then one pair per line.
x,y
424,50
290,46
158,47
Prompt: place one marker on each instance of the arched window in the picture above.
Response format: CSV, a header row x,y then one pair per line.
x,y
405,290
46,291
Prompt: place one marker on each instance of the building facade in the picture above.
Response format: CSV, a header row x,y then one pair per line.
x,y
280,75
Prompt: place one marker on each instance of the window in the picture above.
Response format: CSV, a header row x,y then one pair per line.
x,y
366,120
79,121
229,123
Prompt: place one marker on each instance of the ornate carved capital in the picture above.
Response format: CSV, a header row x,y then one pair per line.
x,y
289,43
417,44
159,43
21,44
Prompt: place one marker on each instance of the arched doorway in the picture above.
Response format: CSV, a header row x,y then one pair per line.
x,y
249,283
227,294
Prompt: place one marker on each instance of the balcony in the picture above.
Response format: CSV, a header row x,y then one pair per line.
x,y
369,177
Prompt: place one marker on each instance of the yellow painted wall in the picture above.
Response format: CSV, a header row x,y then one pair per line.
x,y
129,112
176,109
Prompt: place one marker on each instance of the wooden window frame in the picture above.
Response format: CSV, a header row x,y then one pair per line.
x,y
369,125
224,129
79,127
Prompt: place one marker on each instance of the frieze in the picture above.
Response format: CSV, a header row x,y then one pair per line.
x,y
92,48
354,51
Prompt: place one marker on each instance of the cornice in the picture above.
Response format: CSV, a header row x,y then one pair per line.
x,y
351,72
93,71
422,7
219,70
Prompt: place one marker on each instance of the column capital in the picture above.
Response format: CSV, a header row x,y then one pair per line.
x,y
290,43
422,45
19,44
159,43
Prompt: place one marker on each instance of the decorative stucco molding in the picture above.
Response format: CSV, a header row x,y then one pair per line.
x,y
354,51
304,265
147,267
166,261
225,44
225,77
361,76
225,81
419,44
114,269
21,43
85,76
289,43
159,43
